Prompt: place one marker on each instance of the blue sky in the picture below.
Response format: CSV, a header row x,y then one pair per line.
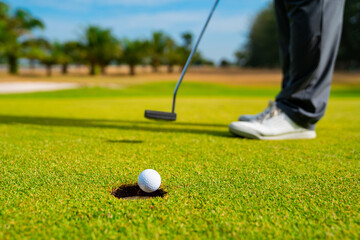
x,y
65,19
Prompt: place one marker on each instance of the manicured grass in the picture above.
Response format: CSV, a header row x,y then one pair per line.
x,y
188,89
63,153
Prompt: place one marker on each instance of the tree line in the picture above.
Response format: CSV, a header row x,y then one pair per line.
x,y
97,47
261,49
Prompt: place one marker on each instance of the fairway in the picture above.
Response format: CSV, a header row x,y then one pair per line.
x,y
63,153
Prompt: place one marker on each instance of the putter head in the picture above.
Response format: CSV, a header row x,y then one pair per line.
x,y
156,115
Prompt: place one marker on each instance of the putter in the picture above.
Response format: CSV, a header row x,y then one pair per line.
x,y
171,116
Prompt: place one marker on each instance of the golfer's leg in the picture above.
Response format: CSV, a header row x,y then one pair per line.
x,y
315,30
284,39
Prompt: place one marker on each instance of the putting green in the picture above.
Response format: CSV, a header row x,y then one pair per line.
x,y
63,153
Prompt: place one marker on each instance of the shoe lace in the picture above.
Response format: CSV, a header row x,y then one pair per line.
x,y
268,112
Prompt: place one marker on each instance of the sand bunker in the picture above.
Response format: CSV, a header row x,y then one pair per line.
x,y
25,87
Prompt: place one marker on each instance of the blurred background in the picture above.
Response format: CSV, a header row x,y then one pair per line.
x,y
128,37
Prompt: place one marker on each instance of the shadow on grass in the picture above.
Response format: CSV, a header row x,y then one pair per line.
x,y
124,141
164,127
134,192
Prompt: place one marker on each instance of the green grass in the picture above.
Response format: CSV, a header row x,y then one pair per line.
x,y
62,154
188,89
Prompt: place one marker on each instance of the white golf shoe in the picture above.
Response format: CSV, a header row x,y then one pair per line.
x,y
250,118
274,125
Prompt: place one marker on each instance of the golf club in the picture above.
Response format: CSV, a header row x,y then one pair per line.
x,y
171,116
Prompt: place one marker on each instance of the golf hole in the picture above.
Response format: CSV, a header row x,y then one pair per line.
x,y
132,191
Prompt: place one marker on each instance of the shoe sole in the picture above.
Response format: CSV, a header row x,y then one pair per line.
x,y
251,134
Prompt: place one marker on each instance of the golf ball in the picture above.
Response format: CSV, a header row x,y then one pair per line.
x,y
149,180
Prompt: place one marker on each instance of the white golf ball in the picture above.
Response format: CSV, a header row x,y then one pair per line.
x,y
149,180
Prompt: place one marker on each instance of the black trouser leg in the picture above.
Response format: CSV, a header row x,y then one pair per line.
x,y
314,30
284,39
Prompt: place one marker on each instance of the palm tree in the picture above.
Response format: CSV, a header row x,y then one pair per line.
x,y
133,53
241,57
101,47
172,56
14,27
157,47
53,54
74,52
33,49
60,56
3,16
48,59
188,40
185,49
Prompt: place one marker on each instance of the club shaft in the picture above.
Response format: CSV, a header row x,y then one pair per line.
x,y
191,55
